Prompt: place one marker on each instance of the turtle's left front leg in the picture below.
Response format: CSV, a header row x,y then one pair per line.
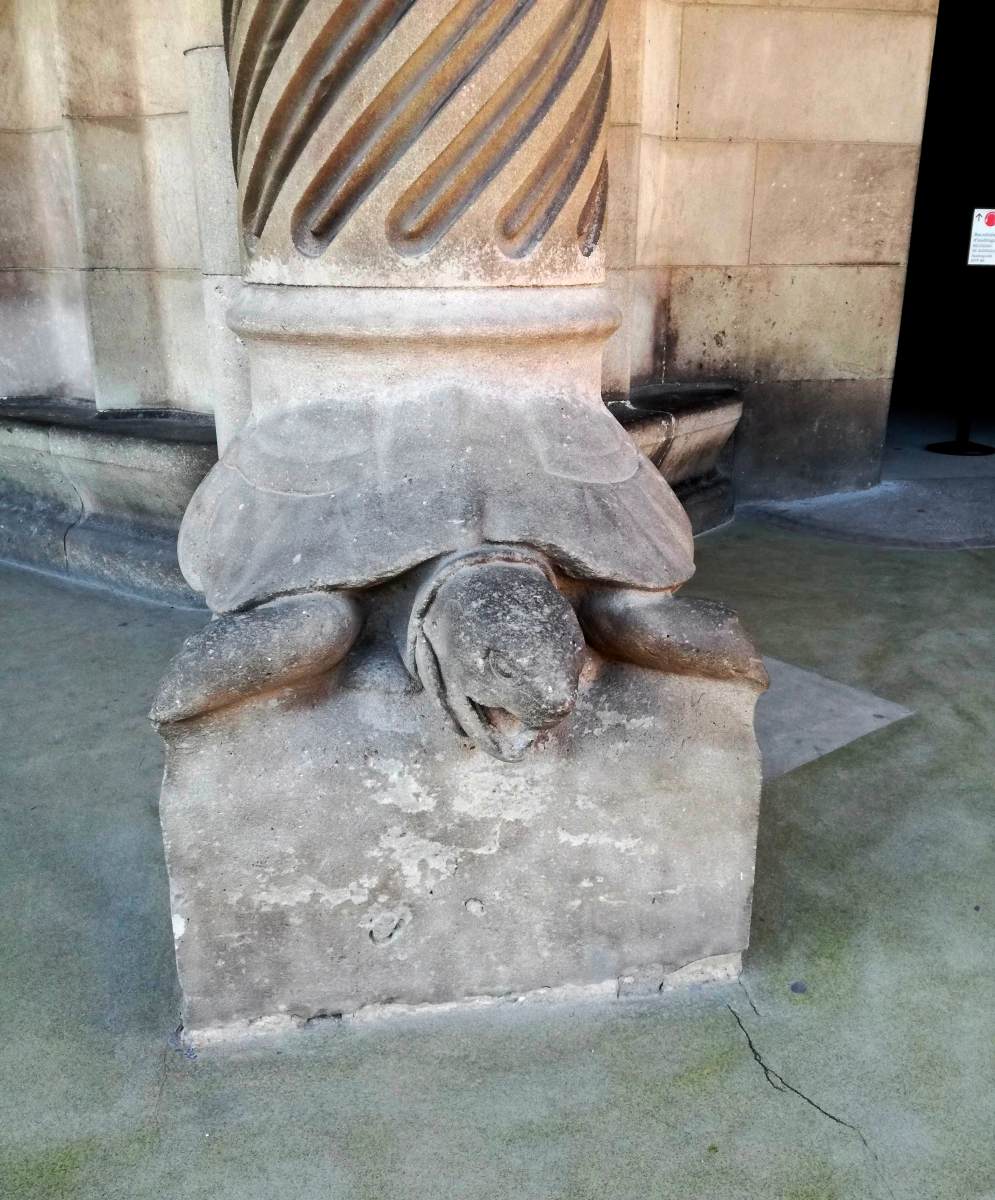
x,y
660,631
242,654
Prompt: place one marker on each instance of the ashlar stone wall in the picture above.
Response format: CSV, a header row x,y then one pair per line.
x,y
44,331
764,158
118,244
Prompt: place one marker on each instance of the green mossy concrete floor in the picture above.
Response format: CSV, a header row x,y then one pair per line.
x,y
873,1077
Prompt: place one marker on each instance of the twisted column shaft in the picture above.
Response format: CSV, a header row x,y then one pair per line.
x,y
420,143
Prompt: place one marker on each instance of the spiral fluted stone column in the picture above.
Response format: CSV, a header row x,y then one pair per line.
x,y
409,159
450,734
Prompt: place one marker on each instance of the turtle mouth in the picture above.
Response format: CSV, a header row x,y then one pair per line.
x,y
499,731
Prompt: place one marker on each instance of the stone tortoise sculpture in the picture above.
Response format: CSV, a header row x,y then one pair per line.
x,y
497,540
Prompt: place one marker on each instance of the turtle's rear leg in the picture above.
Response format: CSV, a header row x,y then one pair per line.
x,y
241,654
660,631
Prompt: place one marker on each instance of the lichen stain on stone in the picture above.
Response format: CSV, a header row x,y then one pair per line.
x,y
608,719
625,845
303,889
422,862
716,1062
394,783
59,1173
384,927
495,792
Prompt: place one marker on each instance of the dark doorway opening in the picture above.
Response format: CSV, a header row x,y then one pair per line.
x,y
944,373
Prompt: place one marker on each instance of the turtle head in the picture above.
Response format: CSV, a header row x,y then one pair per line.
x,y
508,650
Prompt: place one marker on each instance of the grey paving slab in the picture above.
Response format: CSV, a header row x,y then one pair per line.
x,y
804,716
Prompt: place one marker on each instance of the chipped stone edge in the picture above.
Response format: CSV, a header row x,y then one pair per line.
x,y
639,985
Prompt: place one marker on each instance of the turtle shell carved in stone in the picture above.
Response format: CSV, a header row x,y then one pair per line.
x,y
353,493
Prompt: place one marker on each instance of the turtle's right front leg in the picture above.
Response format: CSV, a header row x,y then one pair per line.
x,y
241,654
672,634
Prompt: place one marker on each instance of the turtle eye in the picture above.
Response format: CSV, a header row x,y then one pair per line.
x,y
500,665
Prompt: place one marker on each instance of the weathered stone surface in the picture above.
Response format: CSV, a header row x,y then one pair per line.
x,y
662,70
217,214
136,187
913,6
139,479
228,385
203,24
37,201
38,503
784,323
29,92
346,495
214,178
318,357
684,441
455,147
616,374
648,324
133,493
119,554
290,639
833,203
621,229
333,848
699,439
495,641
791,75
44,335
627,31
686,431
809,438
695,202
123,67
697,638
635,353
171,426
149,339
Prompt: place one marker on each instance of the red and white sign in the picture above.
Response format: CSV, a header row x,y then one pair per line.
x,y
982,252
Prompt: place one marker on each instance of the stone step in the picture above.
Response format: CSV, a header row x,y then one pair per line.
x,y
99,496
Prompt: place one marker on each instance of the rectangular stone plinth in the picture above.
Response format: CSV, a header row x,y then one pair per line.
x,y
338,847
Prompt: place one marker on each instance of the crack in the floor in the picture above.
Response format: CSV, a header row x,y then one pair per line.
x,y
77,519
780,1084
160,1088
746,993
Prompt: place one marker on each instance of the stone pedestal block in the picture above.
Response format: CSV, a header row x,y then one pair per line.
x,y
450,733
334,847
